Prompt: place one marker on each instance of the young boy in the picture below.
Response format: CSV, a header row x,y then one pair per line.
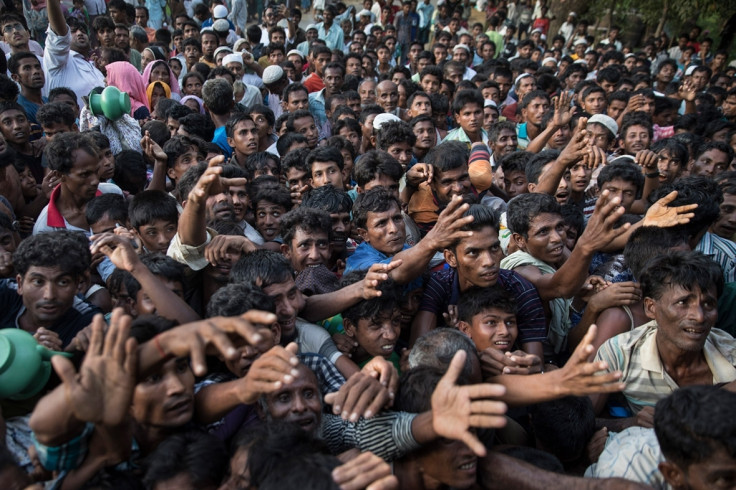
x,y
374,324
270,204
488,316
242,136
182,153
154,218
55,118
326,166
467,107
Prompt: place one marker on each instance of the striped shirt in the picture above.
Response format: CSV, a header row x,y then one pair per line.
x,y
635,354
443,289
722,251
387,435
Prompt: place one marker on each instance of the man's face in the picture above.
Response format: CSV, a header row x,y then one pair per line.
x,y
276,57
15,34
414,52
546,238
182,164
504,85
298,62
239,198
669,166
80,40
684,317
51,130
190,31
324,173
385,231
30,74
725,225
595,103
82,179
470,118
514,183
48,293
298,402
710,164
526,85
297,100
535,111
342,228
352,136
122,39
306,126
354,67
715,471
492,93
506,143
289,302
15,127
209,45
165,399
106,37
615,108
268,219
636,139
320,62
430,84
560,138
460,55
454,75
141,17
699,79
118,16
192,54
451,183
426,135
378,335
157,235
580,178
440,54
333,81
487,52
245,137
573,79
492,328
308,249
422,64
367,92
477,259
387,95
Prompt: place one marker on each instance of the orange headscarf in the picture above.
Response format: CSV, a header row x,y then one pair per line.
x,y
149,92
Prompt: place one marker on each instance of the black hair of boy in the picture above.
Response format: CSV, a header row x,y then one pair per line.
x,y
149,206
524,208
476,300
309,220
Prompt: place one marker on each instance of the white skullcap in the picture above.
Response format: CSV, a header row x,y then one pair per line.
x,y
383,118
272,74
606,121
232,58
220,12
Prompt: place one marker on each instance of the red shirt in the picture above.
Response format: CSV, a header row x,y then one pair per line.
x,y
313,83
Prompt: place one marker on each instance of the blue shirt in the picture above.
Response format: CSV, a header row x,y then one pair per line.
x,y
30,107
221,140
366,255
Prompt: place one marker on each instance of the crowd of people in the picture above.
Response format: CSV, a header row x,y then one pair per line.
x,y
395,248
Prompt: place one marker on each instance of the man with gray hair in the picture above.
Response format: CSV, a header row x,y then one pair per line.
x,y
217,95
138,38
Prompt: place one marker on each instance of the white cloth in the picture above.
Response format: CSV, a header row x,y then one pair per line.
x,y
66,68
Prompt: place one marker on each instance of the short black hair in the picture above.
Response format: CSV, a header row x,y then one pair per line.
x,y
261,268
647,242
326,154
393,132
376,162
678,268
305,219
110,204
198,454
69,250
525,207
55,113
370,308
476,300
329,198
160,265
377,200
447,156
536,164
152,205
623,169
234,299
59,151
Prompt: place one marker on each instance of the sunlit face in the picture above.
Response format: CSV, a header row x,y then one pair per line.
x,y
493,328
545,239
377,336
385,231
636,139
451,183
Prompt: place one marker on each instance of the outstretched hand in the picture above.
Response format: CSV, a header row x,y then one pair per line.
x,y
210,183
102,391
455,409
663,215
377,274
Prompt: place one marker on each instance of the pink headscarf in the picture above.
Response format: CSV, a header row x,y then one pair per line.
x,y
173,82
124,76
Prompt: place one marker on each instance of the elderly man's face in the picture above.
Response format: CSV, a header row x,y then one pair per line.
x,y
387,95
299,402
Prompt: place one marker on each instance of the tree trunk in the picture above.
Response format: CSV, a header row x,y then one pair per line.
x,y
662,19
728,32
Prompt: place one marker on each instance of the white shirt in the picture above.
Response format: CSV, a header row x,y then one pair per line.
x,y
66,68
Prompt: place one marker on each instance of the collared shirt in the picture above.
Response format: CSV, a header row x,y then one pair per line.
x,y
317,106
66,68
459,134
722,251
635,354
333,37
51,219
425,14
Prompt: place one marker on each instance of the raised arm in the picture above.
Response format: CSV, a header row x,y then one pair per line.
x,y
56,17
570,277
562,117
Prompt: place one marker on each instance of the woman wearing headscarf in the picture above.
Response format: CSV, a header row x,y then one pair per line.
x,y
151,54
124,76
191,100
159,71
157,91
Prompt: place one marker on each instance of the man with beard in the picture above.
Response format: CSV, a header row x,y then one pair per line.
x,y
65,56
26,71
42,299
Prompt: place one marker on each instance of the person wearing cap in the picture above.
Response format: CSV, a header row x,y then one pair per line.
x,y
523,84
603,130
275,81
579,47
461,53
225,34
234,63
296,58
542,21
220,54
568,27
312,34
